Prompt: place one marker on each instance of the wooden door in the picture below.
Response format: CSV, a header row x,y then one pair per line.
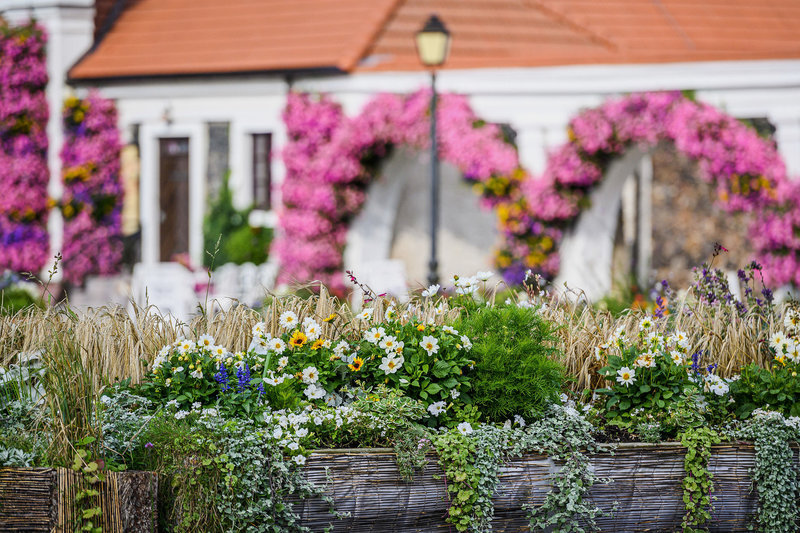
x,y
174,196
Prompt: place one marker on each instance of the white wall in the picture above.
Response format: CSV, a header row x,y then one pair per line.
x,y
537,103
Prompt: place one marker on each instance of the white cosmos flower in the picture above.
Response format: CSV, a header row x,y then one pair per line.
x,y
437,408
431,291
366,314
626,376
310,375
465,428
288,319
390,365
484,276
430,344
186,346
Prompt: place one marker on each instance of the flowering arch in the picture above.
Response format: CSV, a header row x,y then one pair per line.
x,y
331,159
746,170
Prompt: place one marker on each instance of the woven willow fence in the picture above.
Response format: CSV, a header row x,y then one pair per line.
x,y
645,488
43,500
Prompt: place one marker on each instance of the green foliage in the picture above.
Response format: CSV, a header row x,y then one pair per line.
x,y
238,242
698,483
462,476
14,299
515,373
774,476
222,475
20,444
777,388
86,505
650,374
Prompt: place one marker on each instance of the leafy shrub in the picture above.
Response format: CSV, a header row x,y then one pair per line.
x,y
514,373
777,388
239,242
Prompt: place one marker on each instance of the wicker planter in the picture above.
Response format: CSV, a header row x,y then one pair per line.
x,y
40,499
646,484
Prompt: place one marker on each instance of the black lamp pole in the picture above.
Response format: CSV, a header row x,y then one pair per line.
x,y
433,45
433,265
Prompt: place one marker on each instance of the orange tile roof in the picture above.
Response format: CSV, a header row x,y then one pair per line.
x,y
174,37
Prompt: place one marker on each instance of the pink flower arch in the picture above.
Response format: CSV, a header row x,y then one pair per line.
x,y
330,160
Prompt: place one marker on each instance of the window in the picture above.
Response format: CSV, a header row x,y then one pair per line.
x,y
262,171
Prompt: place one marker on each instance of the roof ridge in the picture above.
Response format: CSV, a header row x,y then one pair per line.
x,y
593,35
347,64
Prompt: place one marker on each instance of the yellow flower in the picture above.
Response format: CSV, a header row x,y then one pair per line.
x,y
356,365
421,327
317,344
298,339
330,317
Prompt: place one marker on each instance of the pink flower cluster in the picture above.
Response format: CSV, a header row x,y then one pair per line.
x,y
330,161
747,170
24,243
93,190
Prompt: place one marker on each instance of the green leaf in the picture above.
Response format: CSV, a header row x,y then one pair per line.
x,y
441,369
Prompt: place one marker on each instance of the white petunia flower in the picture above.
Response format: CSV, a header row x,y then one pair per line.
x,y
300,460
454,394
196,406
302,432
177,370
314,392
277,433
293,446
465,428
437,408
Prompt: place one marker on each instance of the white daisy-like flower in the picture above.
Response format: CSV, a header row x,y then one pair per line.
x,y
465,428
645,360
288,319
720,388
646,324
197,374
340,348
218,352
283,361
677,357
465,342
430,344
310,375
793,352
626,376
374,335
388,343
791,321
205,341
168,382
437,408
431,291
172,403
366,314
186,345
312,329
277,345
259,329
777,341
449,329
390,364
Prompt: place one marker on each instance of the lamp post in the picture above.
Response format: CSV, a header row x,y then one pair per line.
x,y
433,45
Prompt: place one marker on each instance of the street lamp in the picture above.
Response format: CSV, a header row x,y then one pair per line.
x,y
433,45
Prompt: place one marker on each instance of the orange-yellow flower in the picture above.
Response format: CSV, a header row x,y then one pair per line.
x,y
317,344
298,339
356,365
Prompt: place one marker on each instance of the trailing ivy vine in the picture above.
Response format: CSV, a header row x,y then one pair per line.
x,y
774,475
698,483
